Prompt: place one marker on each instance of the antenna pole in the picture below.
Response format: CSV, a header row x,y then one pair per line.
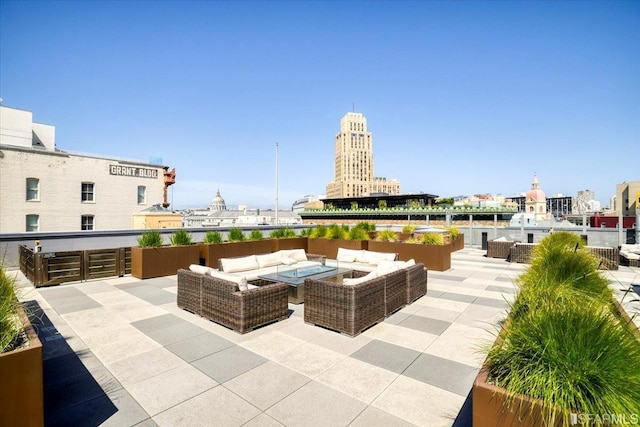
x,y
276,183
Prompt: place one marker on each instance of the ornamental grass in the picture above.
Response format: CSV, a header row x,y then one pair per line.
x,y
565,342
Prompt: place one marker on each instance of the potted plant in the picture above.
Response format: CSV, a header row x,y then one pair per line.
x,y
407,232
21,378
151,259
566,354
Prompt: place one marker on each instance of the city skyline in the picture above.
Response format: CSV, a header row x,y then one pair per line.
x,y
461,98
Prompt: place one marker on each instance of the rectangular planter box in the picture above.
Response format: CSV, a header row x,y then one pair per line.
x,y
329,247
434,257
457,243
290,243
163,261
488,401
21,389
210,253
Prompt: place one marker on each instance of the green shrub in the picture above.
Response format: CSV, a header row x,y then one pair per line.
x,y
150,239
454,231
358,233
432,239
318,232
282,233
367,226
306,232
11,330
387,236
337,232
408,229
256,235
236,235
213,237
181,238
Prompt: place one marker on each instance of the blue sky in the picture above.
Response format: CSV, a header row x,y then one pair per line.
x,y
462,97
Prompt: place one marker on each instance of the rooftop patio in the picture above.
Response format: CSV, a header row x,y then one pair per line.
x,y
120,352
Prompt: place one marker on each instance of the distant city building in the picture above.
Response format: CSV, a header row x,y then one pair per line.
x,y
218,204
584,202
354,162
543,207
307,201
536,201
156,216
43,188
627,198
219,216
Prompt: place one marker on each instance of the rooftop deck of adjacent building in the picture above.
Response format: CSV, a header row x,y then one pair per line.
x,y
120,352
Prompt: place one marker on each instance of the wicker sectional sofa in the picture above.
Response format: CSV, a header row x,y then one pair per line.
x,y
352,308
609,257
221,301
253,266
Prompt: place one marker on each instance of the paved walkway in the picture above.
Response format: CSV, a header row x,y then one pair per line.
x,y
119,352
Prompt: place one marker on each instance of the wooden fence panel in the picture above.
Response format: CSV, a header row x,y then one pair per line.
x,y
52,268
60,267
27,262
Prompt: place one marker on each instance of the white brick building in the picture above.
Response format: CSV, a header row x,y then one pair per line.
x,y
43,188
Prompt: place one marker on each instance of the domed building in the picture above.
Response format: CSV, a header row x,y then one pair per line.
x,y
218,204
536,201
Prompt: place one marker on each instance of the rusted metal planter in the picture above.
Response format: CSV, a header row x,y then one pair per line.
x,y
434,257
21,385
329,247
163,261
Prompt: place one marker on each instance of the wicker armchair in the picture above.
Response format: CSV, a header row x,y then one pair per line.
x,y
395,289
220,301
499,249
346,309
416,282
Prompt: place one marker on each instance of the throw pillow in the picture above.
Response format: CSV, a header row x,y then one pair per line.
x,y
232,265
243,285
201,269
288,261
269,260
346,258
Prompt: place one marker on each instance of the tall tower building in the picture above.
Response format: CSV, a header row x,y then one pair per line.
x,y
354,162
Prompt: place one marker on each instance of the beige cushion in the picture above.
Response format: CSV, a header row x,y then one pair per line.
x,y
386,267
501,239
356,254
409,263
228,277
346,258
233,265
288,261
269,260
357,281
297,254
372,257
201,269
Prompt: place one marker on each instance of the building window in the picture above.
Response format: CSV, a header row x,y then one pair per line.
x,y
33,222
142,194
33,185
87,222
87,192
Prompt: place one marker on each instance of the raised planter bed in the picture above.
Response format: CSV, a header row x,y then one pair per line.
x,y
163,261
329,247
434,257
21,384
